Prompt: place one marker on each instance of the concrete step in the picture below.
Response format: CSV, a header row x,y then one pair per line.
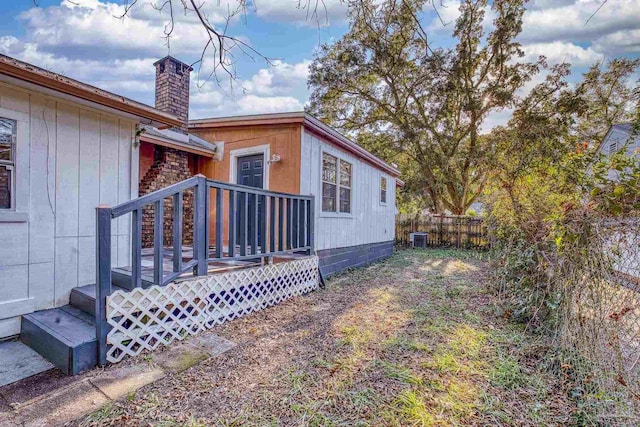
x,y
66,336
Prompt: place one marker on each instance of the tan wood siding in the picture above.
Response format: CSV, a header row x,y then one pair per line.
x,y
283,140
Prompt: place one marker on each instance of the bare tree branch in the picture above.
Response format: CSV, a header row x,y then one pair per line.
x,y
596,11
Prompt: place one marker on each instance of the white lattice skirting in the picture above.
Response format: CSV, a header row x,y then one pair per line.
x,y
144,319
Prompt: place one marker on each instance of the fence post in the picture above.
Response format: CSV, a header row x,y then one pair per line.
x,y
201,245
103,278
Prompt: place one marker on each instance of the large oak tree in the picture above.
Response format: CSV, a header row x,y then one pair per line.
x,y
418,105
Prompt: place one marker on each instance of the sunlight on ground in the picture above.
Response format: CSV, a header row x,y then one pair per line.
x,y
411,341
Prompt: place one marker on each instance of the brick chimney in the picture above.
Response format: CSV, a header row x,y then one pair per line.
x,y
172,88
169,165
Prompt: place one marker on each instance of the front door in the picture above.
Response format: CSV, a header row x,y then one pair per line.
x,y
250,171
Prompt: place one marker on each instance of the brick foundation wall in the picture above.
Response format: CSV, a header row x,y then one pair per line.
x,y
169,167
335,260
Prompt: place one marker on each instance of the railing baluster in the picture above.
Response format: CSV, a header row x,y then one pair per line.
x,y
136,248
232,223
280,223
263,224
296,222
207,229
289,216
158,222
219,221
254,224
103,278
302,219
244,201
272,224
177,231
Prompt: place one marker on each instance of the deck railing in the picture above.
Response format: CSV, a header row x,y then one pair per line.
x,y
257,224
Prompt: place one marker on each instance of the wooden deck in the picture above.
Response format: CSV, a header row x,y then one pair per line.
x,y
122,275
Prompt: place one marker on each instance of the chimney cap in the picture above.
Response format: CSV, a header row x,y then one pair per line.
x,y
169,57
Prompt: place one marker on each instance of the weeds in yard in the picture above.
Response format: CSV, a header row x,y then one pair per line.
x,y
103,414
411,407
411,341
508,374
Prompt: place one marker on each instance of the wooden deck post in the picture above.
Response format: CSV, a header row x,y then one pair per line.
x,y
201,246
103,278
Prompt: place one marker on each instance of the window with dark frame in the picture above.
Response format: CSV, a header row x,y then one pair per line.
x,y
336,184
383,190
7,161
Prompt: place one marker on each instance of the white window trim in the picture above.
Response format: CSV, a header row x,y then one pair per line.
x,y
20,197
264,149
337,213
386,180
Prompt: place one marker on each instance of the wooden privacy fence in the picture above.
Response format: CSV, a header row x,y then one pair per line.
x,y
443,230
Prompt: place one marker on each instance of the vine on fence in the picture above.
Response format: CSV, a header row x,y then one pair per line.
x,y
571,269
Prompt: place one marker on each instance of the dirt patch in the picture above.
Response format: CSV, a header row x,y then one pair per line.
x,y
412,340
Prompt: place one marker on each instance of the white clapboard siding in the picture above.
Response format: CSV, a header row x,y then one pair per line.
x,y
69,159
370,221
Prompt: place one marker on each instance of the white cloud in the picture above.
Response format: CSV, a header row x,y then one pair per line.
x,y
558,52
568,22
280,88
83,40
279,79
252,104
91,30
619,43
303,12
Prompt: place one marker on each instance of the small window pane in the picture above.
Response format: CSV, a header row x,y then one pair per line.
x,y
345,173
383,190
6,152
329,164
7,130
328,197
7,155
5,187
345,200
7,138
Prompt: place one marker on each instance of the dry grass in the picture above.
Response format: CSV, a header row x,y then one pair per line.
x,y
409,341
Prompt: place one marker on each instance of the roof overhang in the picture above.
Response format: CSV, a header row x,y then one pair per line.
x,y
31,77
310,123
174,144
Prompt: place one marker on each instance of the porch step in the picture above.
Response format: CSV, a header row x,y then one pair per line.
x,y
66,336
84,298
122,278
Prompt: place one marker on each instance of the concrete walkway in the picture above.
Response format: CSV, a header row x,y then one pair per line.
x,y
52,399
17,361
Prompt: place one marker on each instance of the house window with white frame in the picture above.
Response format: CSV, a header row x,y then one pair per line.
x,y
336,184
383,190
7,162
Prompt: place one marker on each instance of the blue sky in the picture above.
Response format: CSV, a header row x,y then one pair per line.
x,y
83,39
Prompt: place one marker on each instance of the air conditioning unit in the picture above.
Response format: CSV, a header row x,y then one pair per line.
x,y
418,240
